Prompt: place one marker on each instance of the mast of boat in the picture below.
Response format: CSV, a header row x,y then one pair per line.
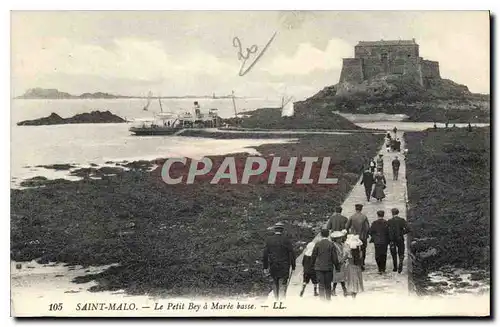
x,y
234,105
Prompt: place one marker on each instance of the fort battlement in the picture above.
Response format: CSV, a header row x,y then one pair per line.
x,y
400,57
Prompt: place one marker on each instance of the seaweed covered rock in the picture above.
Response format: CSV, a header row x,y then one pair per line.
x,y
448,174
180,239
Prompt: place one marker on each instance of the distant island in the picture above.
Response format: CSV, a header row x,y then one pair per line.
x,y
95,117
54,94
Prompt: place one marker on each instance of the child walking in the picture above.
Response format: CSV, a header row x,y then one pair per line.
x,y
309,272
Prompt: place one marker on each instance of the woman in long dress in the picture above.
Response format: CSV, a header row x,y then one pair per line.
x,y
380,184
354,274
338,238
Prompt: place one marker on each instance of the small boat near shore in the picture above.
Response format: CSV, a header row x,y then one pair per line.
x,y
169,123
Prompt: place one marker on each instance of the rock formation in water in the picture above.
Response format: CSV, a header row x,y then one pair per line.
x,y
95,117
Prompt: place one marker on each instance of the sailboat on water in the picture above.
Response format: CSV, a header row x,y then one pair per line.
x,y
286,107
149,102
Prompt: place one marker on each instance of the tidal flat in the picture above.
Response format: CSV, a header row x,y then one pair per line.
x,y
181,239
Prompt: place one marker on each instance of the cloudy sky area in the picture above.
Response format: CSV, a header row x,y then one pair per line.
x,y
178,53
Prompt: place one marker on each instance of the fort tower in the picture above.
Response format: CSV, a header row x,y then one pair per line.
x,y
400,57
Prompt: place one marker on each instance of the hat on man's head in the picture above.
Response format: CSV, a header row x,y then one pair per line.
x,y
337,234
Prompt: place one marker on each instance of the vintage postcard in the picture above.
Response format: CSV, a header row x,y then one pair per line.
x,y
250,163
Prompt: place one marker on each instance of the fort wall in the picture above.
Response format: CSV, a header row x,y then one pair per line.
x,y
430,69
400,57
352,70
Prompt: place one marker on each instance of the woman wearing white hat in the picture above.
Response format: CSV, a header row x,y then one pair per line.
x,y
354,274
338,238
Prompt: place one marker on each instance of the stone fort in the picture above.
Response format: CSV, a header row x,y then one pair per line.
x,y
400,57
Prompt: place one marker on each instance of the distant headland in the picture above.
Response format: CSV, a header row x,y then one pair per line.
x,y
54,94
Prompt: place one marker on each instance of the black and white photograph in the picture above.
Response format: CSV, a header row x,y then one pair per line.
x,y
277,163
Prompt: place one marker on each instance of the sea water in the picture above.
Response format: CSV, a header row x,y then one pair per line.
x,y
85,144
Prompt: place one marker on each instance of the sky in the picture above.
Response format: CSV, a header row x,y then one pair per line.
x,y
193,52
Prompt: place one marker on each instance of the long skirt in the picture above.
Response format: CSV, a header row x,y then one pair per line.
x,y
378,191
354,279
341,276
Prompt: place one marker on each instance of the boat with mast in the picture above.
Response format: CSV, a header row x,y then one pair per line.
x,y
168,123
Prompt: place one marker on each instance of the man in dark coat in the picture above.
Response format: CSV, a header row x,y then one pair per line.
x,y
395,168
398,145
398,227
337,221
358,224
379,233
380,162
368,182
278,258
324,259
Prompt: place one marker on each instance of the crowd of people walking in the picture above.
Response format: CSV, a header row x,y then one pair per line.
x,y
339,256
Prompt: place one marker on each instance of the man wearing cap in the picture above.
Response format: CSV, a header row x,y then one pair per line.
x,y
379,233
337,221
358,224
278,258
398,227
395,168
324,259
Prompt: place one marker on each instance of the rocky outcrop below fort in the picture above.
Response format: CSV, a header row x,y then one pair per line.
x,y
304,117
94,117
442,100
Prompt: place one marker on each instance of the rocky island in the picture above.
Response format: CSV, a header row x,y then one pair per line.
x,y
94,117
55,94
391,77
40,93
